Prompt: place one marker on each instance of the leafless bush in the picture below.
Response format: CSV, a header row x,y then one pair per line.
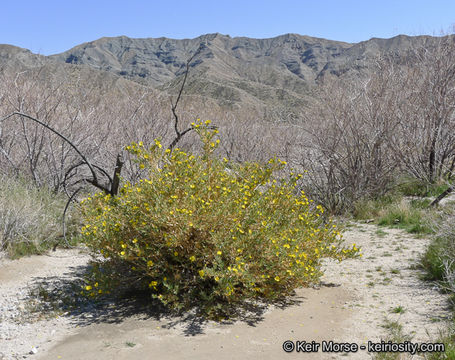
x,y
99,121
424,139
362,134
345,142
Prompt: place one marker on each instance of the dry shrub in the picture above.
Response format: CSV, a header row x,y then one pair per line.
x,y
30,218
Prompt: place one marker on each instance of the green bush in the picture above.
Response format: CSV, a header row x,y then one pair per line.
x,y
433,259
438,260
200,230
415,187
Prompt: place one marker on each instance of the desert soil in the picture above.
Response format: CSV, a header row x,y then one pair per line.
x,y
352,304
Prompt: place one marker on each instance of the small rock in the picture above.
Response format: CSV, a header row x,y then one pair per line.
x,y
33,351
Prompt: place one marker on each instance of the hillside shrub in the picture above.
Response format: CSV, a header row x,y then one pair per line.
x,y
201,230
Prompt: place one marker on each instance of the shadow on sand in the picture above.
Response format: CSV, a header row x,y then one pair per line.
x,y
51,296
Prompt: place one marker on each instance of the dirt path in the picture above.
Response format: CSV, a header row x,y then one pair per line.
x,y
355,298
386,280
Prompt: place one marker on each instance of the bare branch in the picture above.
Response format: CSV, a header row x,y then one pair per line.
x,y
95,181
179,134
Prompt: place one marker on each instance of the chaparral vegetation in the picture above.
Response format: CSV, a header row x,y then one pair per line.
x,y
242,209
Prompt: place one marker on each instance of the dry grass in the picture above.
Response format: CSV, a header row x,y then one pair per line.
x,y
30,218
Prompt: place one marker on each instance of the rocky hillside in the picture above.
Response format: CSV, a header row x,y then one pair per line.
x,y
277,72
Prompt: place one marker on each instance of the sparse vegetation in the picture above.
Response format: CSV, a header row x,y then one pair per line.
x,y
380,233
446,337
395,335
398,310
414,215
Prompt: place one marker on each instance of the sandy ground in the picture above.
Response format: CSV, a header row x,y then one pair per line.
x,y
351,305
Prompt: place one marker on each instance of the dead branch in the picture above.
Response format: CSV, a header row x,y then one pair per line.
x,y
180,134
112,189
442,195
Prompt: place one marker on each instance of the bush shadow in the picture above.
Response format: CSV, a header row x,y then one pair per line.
x,y
53,296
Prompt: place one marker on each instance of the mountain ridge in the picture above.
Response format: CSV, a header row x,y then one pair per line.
x,y
279,71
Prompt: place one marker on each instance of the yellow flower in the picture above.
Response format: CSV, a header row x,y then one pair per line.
x,y
193,258
88,288
219,252
149,263
217,278
201,273
277,278
122,253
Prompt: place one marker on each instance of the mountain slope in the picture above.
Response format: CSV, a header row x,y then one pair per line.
x,y
278,72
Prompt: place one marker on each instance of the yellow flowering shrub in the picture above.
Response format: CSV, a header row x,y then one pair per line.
x,y
201,230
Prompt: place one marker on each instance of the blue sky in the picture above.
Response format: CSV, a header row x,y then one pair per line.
x,y
49,27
